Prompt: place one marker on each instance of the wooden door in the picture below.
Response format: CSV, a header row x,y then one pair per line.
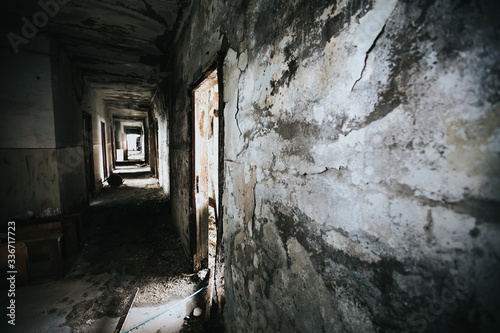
x,y
206,170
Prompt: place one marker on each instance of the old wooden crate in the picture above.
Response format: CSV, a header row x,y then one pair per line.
x,y
43,242
52,243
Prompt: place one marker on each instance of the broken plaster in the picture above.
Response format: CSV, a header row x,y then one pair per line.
x,y
370,29
366,58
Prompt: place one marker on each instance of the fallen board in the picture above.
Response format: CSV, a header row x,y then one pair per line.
x,y
126,311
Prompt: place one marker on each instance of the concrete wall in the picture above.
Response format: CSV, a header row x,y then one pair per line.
x,y
28,155
362,168
159,113
26,94
67,88
41,136
180,154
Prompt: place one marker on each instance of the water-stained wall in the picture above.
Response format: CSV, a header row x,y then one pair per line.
x,y
361,161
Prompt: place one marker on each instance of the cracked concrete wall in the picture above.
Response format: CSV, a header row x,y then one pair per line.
x,y
362,140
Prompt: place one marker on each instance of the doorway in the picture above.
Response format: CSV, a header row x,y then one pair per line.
x,y
154,149
88,151
103,147
206,170
112,139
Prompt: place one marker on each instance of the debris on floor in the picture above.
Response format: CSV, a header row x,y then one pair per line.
x,y
197,312
115,180
131,244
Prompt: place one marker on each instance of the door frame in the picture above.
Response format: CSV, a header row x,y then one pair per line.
x,y
198,244
215,302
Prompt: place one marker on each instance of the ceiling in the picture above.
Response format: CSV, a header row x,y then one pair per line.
x,y
119,45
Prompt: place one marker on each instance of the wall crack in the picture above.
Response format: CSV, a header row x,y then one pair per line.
x,y
340,168
238,107
367,55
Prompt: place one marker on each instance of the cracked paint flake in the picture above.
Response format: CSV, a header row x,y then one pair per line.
x,y
369,30
366,58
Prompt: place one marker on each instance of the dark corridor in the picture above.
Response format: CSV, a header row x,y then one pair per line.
x,y
318,166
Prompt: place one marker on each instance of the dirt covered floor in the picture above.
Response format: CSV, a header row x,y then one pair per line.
x,y
131,244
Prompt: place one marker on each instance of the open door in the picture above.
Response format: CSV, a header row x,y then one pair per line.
x,y
206,170
207,179
88,152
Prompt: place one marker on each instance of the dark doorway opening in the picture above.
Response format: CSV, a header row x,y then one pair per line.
x,y
112,139
155,166
88,151
104,154
131,141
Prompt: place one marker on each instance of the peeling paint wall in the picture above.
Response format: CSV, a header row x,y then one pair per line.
x,y
362,165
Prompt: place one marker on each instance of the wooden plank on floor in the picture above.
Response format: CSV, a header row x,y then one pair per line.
x,y
126,311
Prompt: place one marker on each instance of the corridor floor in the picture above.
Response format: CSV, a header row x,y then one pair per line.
x,y
131,244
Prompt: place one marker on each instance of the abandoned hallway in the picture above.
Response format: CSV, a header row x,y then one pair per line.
x,y
302,165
